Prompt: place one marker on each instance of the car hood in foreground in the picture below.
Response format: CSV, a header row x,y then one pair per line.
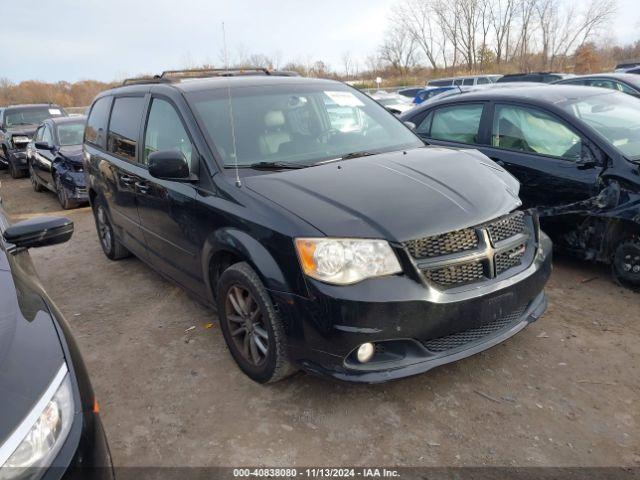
x,y
398,196
30,350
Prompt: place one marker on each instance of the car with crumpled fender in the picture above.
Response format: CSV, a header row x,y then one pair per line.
x,y
326,234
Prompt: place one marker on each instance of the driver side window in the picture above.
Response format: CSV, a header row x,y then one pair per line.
x,y
46,136
531,130
165,132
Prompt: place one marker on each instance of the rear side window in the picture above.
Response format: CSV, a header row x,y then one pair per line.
x,y
483,80
124,127
467,81
458,123
96,130
440,83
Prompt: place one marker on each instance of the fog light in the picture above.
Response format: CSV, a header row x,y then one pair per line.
x,y
365,352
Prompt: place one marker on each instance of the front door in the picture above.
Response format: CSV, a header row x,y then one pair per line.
x,y
167,208
42,160
544,153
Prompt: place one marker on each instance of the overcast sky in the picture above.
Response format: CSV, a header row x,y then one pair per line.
x,y
107,40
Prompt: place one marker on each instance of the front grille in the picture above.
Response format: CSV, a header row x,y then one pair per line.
x,y
506,227
460,339
445,244
509,258
459,274
81,189
476,254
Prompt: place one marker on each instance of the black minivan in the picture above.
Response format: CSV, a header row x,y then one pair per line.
x,y
324,231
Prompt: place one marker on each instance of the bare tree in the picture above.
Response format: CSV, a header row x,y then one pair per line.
x,y
399,50
418,18
502,14
347,64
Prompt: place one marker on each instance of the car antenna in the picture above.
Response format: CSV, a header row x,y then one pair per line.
x,y
231,121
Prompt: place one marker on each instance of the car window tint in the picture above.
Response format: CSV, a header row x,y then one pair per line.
x,y
602,83
483,80
165,131
39,132
424,127
123,127
626,89
532,130
97,122
459,123
467,81
47,136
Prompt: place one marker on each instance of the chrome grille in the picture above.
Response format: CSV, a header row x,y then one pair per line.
x,y
506,227
460,339
509,258
460,274
445,244
476,254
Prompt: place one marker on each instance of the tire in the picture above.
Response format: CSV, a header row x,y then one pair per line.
x,y
259,327
35,183
626,263
65,202
13,171
111,246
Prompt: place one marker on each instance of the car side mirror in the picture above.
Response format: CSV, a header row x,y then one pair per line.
x,y
411,126
38,232
43,146
170,165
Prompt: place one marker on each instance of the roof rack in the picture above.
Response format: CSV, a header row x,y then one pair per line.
x,y
169,76
214,72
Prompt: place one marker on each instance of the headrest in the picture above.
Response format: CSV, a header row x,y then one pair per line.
x,y
274,118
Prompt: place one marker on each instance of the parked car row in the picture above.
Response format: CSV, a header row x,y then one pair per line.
x,y
329,235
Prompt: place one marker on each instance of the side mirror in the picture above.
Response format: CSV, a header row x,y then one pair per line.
x,y
410,125
170,165
43,146
38,232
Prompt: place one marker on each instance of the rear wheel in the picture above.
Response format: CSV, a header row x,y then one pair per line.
x,y
35,183
111,246
626,263
251,327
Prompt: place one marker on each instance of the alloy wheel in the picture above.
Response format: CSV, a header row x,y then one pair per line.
x,y
246,325
104,229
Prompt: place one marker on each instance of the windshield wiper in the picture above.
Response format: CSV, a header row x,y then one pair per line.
x,y
351,155
273,165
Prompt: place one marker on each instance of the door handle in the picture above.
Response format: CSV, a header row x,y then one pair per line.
x,y
142,187
126,179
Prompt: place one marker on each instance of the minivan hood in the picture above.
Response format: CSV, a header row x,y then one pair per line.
x,y
30,350
398,196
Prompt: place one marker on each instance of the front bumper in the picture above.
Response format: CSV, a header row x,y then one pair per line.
x,y
415,329
18,159
75,185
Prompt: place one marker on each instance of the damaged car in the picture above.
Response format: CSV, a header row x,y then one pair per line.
x,y
18,123
576,152
54,159
324,232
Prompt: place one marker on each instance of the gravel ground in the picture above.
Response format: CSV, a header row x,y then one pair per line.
x,y
564,392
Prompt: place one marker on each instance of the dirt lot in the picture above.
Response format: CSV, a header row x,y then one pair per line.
x,y
564,392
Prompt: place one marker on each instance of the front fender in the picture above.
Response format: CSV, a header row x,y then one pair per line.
x,y
239,243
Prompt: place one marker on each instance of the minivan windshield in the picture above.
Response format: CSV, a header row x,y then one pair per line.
x,y
616,116
299,124
30,116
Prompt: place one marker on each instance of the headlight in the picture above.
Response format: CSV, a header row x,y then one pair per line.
x,y
343,261
19,139
38,439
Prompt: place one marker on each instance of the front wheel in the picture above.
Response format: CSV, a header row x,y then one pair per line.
x,y
35,184
251,327
626,263
63,195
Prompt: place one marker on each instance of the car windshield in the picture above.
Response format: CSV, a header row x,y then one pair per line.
x,y
298,124
70,133
615,116
30,116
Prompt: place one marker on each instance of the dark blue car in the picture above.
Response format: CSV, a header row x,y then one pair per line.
x,y
430,92
575,151
54,158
